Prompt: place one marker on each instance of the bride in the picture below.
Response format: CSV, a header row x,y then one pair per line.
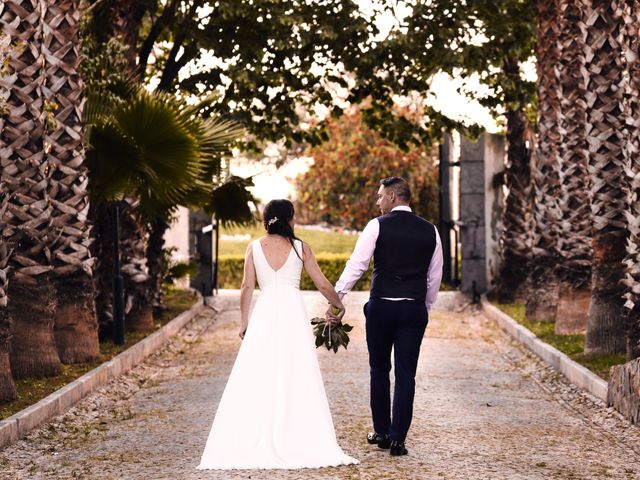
x,y
274,411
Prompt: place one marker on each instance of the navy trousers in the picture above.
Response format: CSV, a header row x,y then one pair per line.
x,y
397,325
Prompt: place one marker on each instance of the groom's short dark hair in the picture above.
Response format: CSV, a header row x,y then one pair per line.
x,y
398,185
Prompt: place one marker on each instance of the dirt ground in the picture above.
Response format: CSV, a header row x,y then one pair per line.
x,y
484,409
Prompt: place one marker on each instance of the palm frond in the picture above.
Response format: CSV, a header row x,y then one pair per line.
x,y
230,203
156,148
142,145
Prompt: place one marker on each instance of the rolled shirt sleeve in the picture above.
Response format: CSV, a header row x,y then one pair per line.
x,y
434,276
359,260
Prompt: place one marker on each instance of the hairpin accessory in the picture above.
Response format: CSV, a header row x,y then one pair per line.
x,y
272,221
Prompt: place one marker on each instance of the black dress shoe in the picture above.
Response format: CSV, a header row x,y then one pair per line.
x,y
383,441
397,448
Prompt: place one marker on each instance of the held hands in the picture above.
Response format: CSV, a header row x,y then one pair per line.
x,y
334,315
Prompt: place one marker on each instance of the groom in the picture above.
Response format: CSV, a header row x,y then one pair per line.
x,y
407,269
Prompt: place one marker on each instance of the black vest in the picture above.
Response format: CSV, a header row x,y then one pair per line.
x,y
401,259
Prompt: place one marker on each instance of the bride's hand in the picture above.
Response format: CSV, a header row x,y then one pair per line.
x,y
243,330
334,318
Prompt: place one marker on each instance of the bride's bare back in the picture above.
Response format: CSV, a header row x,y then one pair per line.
x,y
276,249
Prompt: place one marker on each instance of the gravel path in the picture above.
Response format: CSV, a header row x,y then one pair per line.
x,y
484,409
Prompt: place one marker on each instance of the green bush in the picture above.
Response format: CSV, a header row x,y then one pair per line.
x,y
332,265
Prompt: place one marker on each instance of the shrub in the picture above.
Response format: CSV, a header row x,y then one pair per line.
x,y
332,265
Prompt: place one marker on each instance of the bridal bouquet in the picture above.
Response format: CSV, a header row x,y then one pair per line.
x,y
330,337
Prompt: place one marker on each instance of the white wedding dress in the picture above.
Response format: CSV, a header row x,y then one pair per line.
x,y
274,411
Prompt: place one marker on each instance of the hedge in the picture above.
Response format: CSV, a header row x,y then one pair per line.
x,y
331,264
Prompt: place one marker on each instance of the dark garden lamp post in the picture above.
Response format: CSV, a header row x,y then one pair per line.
x,y
118,283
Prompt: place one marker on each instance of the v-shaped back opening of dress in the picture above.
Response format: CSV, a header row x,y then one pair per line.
x,y
288,275
267,260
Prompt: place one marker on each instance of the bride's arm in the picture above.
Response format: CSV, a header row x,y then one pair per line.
x,y
319,280
246,289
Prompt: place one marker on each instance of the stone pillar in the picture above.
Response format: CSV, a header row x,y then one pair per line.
x,y
494,170
177,236
482,164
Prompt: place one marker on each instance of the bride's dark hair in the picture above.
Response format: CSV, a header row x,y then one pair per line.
x,y
275,218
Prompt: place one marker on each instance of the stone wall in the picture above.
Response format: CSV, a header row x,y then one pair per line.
x,y
624,390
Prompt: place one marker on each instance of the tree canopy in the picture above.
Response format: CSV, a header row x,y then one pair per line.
x,y
486,38
266,64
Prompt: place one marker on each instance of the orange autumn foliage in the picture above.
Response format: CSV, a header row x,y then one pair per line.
x,y
340,186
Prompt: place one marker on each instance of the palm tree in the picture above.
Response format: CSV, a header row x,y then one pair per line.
x,y
26,174
542,298
605,131
138,146
76,325
150,148
218,194
574,227
631,46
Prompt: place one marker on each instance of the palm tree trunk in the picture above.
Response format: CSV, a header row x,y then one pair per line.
x,y
574,228
102,251
138,295
76,326
543,294
32,306
7,385
155,250
516,238
605,132
631,48
25,174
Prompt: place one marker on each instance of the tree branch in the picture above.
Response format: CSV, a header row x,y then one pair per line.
x,y
155,31
173,66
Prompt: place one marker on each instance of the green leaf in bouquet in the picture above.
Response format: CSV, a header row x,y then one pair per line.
x,y
346,327
319,341
334,335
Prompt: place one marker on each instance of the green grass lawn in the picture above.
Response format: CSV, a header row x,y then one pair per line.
x,y
320,242
571,345
31,390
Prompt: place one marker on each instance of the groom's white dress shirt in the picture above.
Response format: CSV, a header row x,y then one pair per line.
x,y
359,261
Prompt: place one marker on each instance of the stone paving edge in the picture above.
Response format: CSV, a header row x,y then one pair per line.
x,y
576,373
58,402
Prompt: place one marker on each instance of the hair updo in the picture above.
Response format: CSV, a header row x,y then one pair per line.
x,y
276,217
